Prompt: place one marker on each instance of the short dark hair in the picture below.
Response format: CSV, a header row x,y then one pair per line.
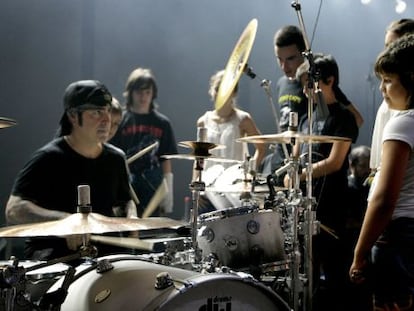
x,y
398,59
401,27
289,35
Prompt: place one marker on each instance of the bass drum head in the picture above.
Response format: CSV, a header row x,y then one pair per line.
x,y
131,285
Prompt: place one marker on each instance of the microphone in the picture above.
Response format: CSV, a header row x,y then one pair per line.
x,y
84,199
293,125
249,71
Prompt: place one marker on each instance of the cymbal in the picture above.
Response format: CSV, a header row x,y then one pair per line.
x,y
85,223
6,122
287,136
200,145
135,243
208,157
236,64
242,187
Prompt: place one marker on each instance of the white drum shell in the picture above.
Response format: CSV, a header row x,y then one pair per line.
x,y
130,285
241,237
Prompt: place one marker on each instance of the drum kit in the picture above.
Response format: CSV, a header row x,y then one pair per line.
x,y
245,256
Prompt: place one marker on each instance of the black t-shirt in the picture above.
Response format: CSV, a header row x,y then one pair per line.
x,y
330,190
290,98
51,177
138,131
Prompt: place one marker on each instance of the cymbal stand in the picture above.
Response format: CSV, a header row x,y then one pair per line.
x,y
309,224
265,84
196,187
295,202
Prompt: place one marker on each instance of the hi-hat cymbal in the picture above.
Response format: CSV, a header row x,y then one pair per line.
x,y
236,64
85,223
288,136
6,122
208,157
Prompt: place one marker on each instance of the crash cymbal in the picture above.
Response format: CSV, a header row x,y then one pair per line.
x,y
286,138
236,64
84,223
208,157
6,122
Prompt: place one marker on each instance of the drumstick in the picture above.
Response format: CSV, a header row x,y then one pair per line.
x,y
329,231
141,153
156,199
123,242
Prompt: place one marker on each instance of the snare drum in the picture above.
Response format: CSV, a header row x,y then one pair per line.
x,y
242,236
132,284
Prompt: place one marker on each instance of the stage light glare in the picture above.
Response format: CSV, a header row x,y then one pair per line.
x,y
365,2
400,6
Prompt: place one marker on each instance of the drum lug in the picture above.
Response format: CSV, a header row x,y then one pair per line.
x,y
163,280
103,266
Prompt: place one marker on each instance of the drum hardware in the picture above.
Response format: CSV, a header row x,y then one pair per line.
x,y
23,290
200,152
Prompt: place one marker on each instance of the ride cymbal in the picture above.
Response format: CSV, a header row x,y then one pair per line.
x,y
6,122
85,223
288,136
236,64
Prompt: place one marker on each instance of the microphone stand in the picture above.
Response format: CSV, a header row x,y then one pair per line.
x,y
310,215
265,84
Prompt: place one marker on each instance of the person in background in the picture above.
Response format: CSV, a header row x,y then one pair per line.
x,y
224,126
329,179
143,125
116,117
359,296
289,46
384,253
395,30
46,188
358,189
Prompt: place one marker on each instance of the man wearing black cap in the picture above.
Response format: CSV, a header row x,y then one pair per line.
x,y
46,187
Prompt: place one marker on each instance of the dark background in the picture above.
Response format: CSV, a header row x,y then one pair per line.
x,y
46,44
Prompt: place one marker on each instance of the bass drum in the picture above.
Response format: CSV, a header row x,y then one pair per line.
x,y
129,283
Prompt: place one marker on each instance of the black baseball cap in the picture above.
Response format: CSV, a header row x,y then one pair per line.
x,y
86,94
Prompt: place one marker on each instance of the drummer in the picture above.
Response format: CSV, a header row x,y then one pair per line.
x,y
224,126
46,188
